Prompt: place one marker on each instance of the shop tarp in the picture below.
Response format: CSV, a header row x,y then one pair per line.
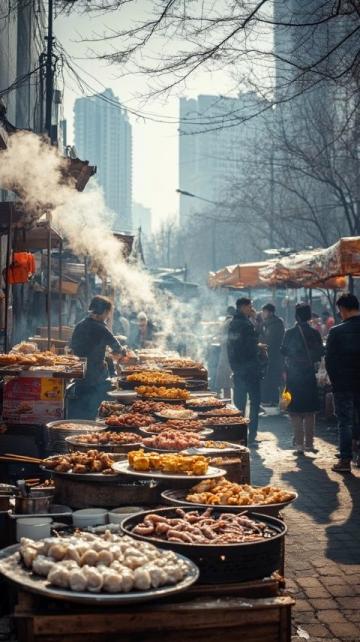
x,y
241,275
316,268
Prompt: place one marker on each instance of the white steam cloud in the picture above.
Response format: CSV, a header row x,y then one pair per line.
x,y
33,169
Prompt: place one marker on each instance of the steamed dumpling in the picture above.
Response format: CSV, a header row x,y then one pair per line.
x,y
112,581
142,579
59,576
94,580
42,565
77,580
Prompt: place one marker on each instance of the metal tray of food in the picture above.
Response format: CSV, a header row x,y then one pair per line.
x,y
80,425
162,417
111,447
206,432
212,450
13,570
123,468
177,498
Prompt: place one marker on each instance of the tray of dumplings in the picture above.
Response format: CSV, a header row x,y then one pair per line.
x,y
89,568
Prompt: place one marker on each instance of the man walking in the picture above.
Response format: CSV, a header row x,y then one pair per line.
x,y
343,365
272,334
244,361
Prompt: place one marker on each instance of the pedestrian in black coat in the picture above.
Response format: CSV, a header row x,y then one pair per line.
x,y
272,334
245,363
343,365
302,348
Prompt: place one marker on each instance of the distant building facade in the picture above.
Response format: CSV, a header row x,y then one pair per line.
x,y
22,40
103,135
141,218
215,137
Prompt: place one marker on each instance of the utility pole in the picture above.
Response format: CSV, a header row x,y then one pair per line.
x,y
49,72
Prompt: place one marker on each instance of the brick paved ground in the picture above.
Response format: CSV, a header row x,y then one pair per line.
x,y
323,542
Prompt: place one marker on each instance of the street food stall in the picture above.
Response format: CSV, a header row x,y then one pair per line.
x,y
147,502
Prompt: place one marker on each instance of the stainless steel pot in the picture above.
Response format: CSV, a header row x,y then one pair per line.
x,y
33,505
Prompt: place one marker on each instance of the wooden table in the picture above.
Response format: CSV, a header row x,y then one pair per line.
x,y
251,611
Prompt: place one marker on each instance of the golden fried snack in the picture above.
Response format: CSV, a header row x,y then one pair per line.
x,y
154,378
168,463
162,393
221,491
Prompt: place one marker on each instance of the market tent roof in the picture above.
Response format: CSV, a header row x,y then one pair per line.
x,y
36,238
241,275
255,275
316,267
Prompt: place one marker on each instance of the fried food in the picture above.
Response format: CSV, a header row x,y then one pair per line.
x,y
222,412
162,393
40,359
93,461
181,426
173,440
130,420
225,421
175,463
226,493
108,438
194,527
205,402
178,413
154,378
108,408
148,407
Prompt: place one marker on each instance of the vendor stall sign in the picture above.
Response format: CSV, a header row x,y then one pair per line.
x,y
33,400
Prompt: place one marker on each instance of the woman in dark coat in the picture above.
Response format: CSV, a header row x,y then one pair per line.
x,y
302,348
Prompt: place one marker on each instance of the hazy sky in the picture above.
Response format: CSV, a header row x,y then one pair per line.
x,y
155,145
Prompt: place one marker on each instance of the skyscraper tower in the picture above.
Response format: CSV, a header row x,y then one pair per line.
x,y
103,136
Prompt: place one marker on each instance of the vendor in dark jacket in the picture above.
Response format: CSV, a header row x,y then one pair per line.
x,y
90,339
343,365
272,334
243,353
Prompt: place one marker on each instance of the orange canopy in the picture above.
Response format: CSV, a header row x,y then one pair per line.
x,y
316,268
244,275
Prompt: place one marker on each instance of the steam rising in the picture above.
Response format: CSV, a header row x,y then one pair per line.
x,y
33,169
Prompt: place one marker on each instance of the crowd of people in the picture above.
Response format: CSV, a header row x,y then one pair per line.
x,y
264,359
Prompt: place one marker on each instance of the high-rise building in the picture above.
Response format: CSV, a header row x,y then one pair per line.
x,y
141,218
217,136
22,40
103,136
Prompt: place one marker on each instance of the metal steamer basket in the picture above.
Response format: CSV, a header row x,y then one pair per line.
x,y
224,564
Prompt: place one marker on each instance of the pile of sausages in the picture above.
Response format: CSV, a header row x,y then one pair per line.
x,y
199,528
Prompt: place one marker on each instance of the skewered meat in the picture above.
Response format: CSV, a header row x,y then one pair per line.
x,y
195,527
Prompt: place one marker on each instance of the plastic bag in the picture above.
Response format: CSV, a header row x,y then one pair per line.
x,y
285,400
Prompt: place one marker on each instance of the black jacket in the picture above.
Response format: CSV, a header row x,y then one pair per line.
x,y
90,339
293,347
242,346
343,356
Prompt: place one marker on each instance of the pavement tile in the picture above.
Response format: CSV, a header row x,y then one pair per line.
x,y
303,605
341,590
331,616
349,602
324,604
318,630
344,631
317,592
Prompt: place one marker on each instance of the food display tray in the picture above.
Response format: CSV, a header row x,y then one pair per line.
x,y
123,468
13,570
109,447
177,498
206,432
161,417
223,563
130,385
177,402
229,449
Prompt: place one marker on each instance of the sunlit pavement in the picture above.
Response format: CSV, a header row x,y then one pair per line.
x,y
323,541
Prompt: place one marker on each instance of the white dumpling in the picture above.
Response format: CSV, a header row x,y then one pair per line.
x,y
42,565
94,580
174,573
112,581
142,579
135,561
77,580
90,558
28,555
127,576
57,551
72,553
59,576
158,576
105,557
